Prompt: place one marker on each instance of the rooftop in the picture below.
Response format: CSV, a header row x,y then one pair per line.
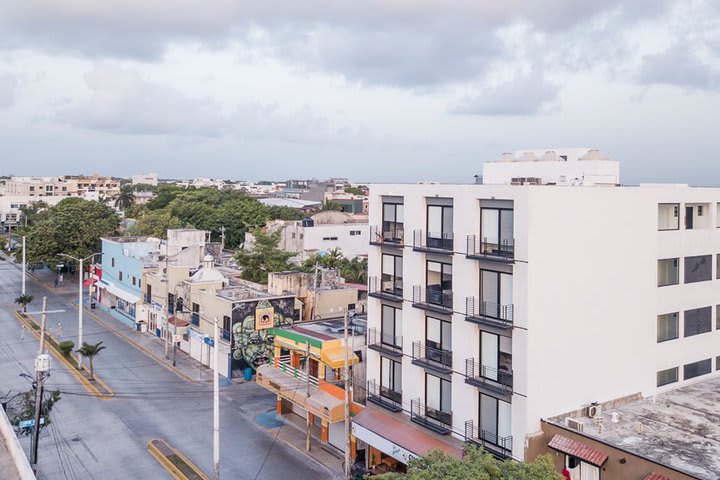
x,y
679,429
289,202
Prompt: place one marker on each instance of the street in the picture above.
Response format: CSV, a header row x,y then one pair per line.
x,y
106,439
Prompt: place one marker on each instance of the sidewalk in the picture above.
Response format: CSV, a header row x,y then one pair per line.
x,y
290,429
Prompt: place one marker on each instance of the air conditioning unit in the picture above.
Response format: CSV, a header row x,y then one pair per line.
x,y
574,424
594,411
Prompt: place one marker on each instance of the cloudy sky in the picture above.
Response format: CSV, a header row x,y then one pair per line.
x,y
379,90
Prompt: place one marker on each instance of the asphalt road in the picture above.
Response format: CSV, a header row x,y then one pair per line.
x,y
91,438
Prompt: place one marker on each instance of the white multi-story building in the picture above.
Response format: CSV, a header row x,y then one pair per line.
x,y
495,306
90,187
146,179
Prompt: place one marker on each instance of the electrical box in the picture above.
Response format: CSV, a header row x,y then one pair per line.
x,y
42,363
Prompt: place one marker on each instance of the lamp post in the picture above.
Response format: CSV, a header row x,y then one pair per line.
x,y
24,262
80,298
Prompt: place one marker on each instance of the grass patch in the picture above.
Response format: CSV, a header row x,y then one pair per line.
x,y
184,468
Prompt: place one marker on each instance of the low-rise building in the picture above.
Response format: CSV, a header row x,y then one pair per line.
x,y
90,187
146,179
11,209
316,300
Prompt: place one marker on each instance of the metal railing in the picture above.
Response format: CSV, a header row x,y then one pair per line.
x,y
503,248
429,415
384,340
381,393
390,233
432,355
440,241
485,437
434,296
476,308
384,286
491,377
282,363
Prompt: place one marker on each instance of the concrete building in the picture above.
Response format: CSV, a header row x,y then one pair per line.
x,y
324,231
90,187
496,306
146,179
316,301
10,209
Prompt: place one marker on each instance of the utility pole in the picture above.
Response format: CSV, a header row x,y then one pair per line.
x,y
24,265
42,365
222,238
216,406
347,397
307,416
80,312
167,300
174,342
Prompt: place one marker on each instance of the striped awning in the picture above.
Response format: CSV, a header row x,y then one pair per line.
x,y
657,476
578,449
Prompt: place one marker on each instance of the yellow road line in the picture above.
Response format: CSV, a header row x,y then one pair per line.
x,y
139,347
89,386
169,466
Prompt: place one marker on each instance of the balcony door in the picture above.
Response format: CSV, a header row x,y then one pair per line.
x,y
496,227
391,379
495,420
392,274
438,340
438,399
439,226
392,227
496,294
391,326
438,282
495,357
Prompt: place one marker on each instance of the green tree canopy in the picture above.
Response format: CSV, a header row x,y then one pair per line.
x,y
155,223
353,271
477,465
73,226
264,257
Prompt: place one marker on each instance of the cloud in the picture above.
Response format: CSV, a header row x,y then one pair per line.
x,y
8,90
398,43
679,66
523,95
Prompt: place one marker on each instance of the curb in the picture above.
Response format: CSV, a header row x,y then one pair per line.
x,y
89,386
167,465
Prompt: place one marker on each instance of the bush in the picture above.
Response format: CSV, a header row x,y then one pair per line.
x,y
66,347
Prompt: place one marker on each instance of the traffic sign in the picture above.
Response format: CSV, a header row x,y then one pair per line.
x,y
210,341
176,338
29,423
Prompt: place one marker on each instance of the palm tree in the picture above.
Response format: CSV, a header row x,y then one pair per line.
x,y
330,205
126,198
89,351
24,300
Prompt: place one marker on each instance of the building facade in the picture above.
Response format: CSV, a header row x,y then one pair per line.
x,y
91,187
493,307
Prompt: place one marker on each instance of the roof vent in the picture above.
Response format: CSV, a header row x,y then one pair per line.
x,y
550,156
594,154
506,157
527,157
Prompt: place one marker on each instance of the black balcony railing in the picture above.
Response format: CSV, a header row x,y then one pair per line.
x,y
483,376
479,311
433,297
195,319
226,335
390,233
384,342
436,420
500,446
433,241
388,287
384,396
432,358
498,249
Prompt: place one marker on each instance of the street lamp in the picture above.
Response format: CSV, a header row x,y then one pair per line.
x,y
80,298
24,266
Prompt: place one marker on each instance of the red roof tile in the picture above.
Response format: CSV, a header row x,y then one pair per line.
x,y
578,449
657,476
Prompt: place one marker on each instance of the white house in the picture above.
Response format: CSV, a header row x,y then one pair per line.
x,y
495,306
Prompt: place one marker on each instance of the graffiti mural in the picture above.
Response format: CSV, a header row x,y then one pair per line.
x,y
252,347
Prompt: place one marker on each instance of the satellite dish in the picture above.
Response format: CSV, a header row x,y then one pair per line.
x,y
322,253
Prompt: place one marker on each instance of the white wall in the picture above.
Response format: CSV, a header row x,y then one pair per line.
x,y
351,245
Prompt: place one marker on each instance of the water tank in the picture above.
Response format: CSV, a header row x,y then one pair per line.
x,y
308,222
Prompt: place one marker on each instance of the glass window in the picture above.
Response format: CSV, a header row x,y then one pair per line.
x,y
496,226
698,269
668,272
696,369
496,294
390,376
697,321
392,228
438,395
665,377
494,419
391,325
668,216
392,274
668,326
438,334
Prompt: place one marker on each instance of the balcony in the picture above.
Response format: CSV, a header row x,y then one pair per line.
x,y
433,298
384,397
433,242
489,380
391,235
431,358
479,248
499,447
226,335
195,319
488,314
386,289
435,420
384,343
148,298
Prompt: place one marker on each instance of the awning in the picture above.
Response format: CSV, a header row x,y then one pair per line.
x,y
657,476
335,357
89,281
400,440
577,449
123,294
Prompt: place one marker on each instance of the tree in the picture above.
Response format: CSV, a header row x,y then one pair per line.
x,y
126,198
73,226
353,271
90,351
155,224
263,258
331,205
24,300
22,406
476,465
355,191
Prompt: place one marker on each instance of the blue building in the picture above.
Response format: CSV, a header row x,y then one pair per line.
x,y
123,261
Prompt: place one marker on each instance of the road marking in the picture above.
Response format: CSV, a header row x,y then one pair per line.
x,y
160,450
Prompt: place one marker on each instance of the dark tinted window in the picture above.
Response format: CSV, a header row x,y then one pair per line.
x,y
697,321
695,369
698,269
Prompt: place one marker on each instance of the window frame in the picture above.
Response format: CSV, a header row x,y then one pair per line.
x,y
698,331
677,282
687,270
677,327
676,213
